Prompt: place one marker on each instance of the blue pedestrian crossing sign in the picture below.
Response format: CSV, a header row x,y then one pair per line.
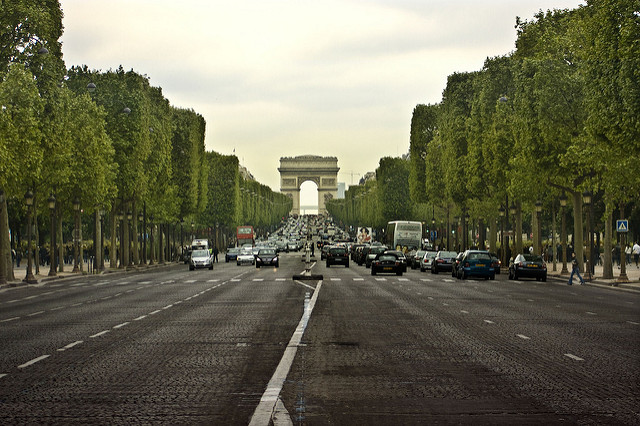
x,y
622,225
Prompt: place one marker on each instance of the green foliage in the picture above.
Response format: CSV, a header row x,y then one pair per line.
x,y
392,177
423,131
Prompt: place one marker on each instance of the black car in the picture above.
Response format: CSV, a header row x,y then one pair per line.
x,y
387,262
372,253
529,266
337,256
403,258
497,264
455,268
416,258
231,254
443,261
267,256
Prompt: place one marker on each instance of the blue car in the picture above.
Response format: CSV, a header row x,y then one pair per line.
x,y
477,263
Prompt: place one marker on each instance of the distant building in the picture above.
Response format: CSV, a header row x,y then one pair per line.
x,y
342,187
245,173
367,177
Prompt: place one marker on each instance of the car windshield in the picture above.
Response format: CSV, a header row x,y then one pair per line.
x,y
447,254
387,257
338,250
200,253
532,258
430,255
479,256
267,251
234,250
376,250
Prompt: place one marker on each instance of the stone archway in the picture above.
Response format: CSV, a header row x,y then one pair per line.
x,y
323,171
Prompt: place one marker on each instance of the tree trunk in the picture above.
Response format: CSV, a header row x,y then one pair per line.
x,y
134,233
6,264
61,257
113,250
493,236
607,265
578,236
36,236
518,229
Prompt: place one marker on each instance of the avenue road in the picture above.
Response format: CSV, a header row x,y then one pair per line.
x,y
173,346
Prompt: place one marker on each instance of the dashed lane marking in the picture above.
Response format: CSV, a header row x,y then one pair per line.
x,y
358,279
120,325
574,357
523,337
281,279
448,280
10,319
212,281
489,322
2,375
591,313
336,279
464,312
102,333
70,345
403,279
190,281
258,279
633,322
141,317
155,312
33,361
381,279
36,313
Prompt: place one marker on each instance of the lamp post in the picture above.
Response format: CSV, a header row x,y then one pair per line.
x,y
29,278
539,227
586,199
4,263
52,245
563,234
76,209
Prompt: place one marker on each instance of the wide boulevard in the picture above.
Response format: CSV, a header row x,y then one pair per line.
x,y
173,346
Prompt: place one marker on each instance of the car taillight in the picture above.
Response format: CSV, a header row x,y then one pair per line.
x,y
440,261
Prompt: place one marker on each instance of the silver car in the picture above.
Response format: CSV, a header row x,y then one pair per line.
x,y
200,259
425,262
245,257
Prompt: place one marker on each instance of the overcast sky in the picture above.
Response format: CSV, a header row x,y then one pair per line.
x,y
292,77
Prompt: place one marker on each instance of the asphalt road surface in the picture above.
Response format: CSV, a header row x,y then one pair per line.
x,y
173,346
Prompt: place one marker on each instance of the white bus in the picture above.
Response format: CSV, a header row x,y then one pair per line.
x,y
404,233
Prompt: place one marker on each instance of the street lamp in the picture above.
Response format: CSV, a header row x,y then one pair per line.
x,y
563,235
539,226
52,249
29,278
76,234
586,199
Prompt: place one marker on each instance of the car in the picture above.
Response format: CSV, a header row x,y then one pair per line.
x,y
528,266
372,253
403,258
425,262
200,259
323,251
245,256
497,264
476,263
387,262
455,268
337,255
443,261
417,257
267,256
231,254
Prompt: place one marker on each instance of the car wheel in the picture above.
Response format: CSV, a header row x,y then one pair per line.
x,y
463,275
257,266
421,269
226,260
399,273
515,276
492,277
191,268
434,270
373,271
544,278
328,264
211,268
238,263
347,265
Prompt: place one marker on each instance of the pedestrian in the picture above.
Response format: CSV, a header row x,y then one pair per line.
x,y
636,253
215,254
18,257
627,252
575,269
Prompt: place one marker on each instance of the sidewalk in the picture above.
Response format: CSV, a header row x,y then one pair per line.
x,y
43,276
633,275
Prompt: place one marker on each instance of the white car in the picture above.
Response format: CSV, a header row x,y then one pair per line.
x,y
425,262
200,259
245,257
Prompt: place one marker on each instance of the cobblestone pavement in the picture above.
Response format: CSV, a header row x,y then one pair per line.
x,y
172,346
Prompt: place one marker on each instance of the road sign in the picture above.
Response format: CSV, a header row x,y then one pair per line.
x,y
622,225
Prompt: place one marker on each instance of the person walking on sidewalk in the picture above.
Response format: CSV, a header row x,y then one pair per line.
x,y
575,269
636,252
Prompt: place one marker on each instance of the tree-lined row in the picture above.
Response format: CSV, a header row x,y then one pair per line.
x,y
559,115
106,140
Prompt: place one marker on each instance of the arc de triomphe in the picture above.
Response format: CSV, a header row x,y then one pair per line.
x,y
294,171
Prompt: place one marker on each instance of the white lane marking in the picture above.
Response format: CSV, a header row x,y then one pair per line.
x,y
258,279
141,282
141,317
264,410
522,336
465,312
530,300
190,281
168,306
35,313
358,279
139,288
489,322
155,312
31,297
212,281
2,375
57,309
70,345
403,279
48,293
10,319
102,333
178,302
445,304
336,279
447,280
306,285
77,304
33,361
106,298
120,325
574,357
117,294
591,313
12,301
381,279
632,322
130,291
281,279
430,298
